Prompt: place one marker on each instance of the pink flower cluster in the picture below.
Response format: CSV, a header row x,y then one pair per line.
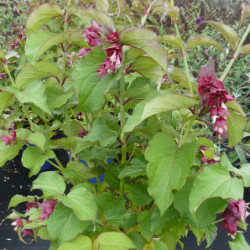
x,y
236,211
94,36
3,76
214,96
48,207
11,137
204,159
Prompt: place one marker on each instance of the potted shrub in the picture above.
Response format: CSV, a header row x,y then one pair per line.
x,y
107,83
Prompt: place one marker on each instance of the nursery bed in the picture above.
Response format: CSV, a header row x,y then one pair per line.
x,y
14,180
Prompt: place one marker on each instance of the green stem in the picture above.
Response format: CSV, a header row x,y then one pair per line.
x,y
28,117
187,132
8,72
58,162
124,146
53,164
235,54
144,18
185,63
67,120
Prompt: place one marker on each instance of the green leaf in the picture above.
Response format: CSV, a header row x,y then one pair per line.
x,y
203,141
173,12
52,41
227,32
138,194
234,105
31,73
241,154
8,152
159,104
40,16
2,56
34,42
142,38
113,241
33,93
244,172
103,5
37,139
33,158
147,67
137,168
90,87
81,242
56,98
168,168
171,39
245,49
116,216
245,13
106,200
239,242
210,233
144,220
236,125
159,245
82,202
202,40
214,181
17,199
7,99
63,225
101,133
51,183
99,16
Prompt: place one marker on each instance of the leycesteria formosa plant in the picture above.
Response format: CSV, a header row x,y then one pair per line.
x,y
93,80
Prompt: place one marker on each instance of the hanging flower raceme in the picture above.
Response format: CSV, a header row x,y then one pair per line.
x,y
11,137
93,34
3,76
48,207
236,211
214,96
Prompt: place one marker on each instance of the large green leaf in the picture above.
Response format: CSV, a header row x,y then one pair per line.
x,y
159,104
31,73
51,183
17,199
170,39
113,241
142,38
33,93
40,16
202,40
34,42
63,225
168,168
99,16
8,152
81,242
147,67
236,125
82,202
7,99
103,5
214,181
52,41
227,32
90,87
101,133
138,194
33,158
239,242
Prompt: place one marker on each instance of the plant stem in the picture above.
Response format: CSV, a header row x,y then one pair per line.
x,y
185,63
235,54
53,164
67,120
187,132
58,162
8,72
28,117
144,18
122,115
